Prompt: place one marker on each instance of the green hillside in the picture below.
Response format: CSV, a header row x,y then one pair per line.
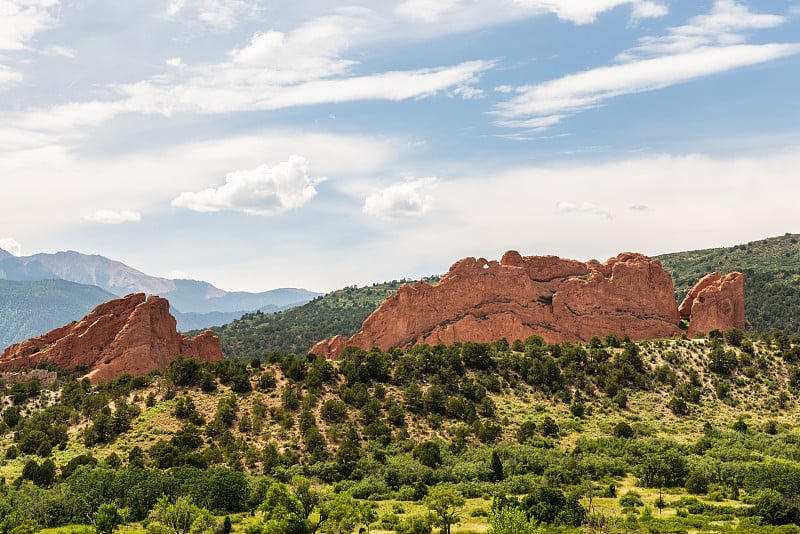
x,y
674,437
772,299
772,278
32,308
296,330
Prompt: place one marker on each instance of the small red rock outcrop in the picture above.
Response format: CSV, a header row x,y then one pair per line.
x,y
133,334
715,302
557,299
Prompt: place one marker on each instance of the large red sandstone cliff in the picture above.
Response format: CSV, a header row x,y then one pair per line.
x,y
132,334
555,298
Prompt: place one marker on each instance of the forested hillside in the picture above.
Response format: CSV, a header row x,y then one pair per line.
x,y
671,436
296,330
772,298
31,308
772,270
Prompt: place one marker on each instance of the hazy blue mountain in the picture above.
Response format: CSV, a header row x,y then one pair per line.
x,y
30,308
186,296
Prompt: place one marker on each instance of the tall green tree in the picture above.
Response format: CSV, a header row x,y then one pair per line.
x,y
446,505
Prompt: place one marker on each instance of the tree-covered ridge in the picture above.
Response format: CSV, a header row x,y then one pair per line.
x,y
675,435
296,330
772,278
772,294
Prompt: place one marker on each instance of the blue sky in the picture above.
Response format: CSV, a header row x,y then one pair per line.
x,y
321,144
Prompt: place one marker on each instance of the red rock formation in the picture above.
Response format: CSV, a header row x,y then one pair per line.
x,y
128,335
557,299
715,302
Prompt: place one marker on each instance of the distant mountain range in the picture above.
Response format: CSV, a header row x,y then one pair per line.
x,y
95,279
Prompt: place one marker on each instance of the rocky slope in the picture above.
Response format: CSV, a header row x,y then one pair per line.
x,y
133,334
555,298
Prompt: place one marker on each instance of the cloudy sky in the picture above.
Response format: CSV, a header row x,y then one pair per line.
x,y
317,144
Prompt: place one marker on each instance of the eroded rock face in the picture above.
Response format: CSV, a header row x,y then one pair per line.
x,y
715,302
555,298
132,334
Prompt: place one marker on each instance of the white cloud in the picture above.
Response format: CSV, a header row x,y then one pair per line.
x,y
274,70
409,198
425,10
114,216
62,51
583,207
216,14
262,191
709,44
467,92
647,10
233,91
22,19
7,75
722,26
586,11
9,244
547,103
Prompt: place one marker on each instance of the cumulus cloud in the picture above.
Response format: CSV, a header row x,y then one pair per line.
x,y
114,216
409,198
583,207
264,190
9,244
709,44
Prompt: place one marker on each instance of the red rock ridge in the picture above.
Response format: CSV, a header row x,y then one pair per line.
x,y
555,298
132,334
715,302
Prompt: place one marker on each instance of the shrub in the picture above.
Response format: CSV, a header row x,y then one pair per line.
x,y
623,430
678,406
697,483
630,500
549,427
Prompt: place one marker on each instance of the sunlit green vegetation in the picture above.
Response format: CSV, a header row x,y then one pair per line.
x,y
662,436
